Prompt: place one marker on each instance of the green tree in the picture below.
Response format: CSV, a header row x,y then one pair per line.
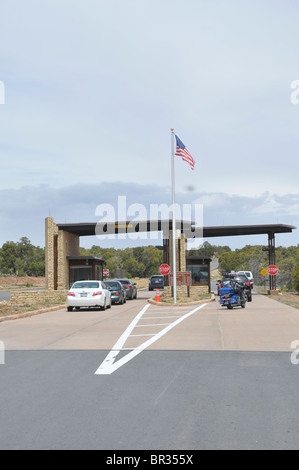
x,y
22,258
8,256
134,268
295,274
230,261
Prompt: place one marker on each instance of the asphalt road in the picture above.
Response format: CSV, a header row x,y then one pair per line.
x,y
218,379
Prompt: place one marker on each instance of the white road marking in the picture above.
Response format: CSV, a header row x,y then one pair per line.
x,y
151,324
109,365
147,334
168,316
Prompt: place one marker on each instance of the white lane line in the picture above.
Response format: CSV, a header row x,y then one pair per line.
x,y
109,365
168,316
146,334
151,324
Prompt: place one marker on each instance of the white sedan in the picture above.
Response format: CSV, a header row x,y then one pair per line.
x,y
88,294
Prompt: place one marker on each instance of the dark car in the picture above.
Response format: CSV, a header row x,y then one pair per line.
x,y
156,282
117,291
241,279
130,287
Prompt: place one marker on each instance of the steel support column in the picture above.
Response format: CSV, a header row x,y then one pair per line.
x,y
271,249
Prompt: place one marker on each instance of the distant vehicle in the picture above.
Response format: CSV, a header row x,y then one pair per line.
x,y
233,295
156,282
117,291
88,294
130,287
242,279
249,275
245,283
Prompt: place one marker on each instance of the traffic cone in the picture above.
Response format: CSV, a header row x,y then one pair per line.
x,y
158,298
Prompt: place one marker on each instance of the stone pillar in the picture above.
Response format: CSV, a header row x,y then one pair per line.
x,y
51,230
183,249
171,253
68,245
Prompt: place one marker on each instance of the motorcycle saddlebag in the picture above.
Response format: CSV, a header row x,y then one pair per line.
x,y
226,290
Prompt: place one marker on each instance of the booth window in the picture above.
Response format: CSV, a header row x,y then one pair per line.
x,y
80,273
199,274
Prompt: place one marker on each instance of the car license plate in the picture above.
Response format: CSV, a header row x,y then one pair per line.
x,y
83,295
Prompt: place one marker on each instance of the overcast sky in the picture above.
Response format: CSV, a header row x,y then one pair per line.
x,y
92,89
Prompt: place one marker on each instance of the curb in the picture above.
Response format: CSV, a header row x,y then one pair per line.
x,y
31,314
162,304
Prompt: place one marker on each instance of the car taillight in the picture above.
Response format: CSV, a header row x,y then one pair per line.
x,y
71,294
117,293
96,293
128,287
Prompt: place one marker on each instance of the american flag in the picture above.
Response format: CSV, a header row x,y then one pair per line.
x,y
181,151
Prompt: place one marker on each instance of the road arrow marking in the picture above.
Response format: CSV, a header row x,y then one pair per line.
x,y
109,365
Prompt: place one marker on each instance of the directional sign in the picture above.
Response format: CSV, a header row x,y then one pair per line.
x,y
264,271
272,269
105,272
164,269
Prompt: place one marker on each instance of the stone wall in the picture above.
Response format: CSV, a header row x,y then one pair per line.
x,y
182,291
23,297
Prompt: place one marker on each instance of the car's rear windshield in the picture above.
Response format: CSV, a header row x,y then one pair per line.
x,y
114,285
248,273
157,278
86,285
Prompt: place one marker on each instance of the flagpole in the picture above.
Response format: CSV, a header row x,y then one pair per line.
x,y
173,217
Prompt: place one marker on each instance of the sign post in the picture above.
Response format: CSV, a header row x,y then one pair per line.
x,y
272,270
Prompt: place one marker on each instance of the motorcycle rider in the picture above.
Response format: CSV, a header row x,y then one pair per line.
x,y
238,289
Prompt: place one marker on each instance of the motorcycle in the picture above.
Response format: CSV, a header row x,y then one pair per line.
x,y
232,296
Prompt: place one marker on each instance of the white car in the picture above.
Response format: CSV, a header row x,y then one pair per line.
x,y
249,275
88,294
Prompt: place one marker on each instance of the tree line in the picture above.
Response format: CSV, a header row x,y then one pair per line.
x,y
254,258
142,261
24,259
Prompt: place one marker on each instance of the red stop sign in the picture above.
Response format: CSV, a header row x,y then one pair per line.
x,y
105,272
272,269
164,269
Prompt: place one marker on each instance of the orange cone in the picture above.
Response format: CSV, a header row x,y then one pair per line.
x,y
158,298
